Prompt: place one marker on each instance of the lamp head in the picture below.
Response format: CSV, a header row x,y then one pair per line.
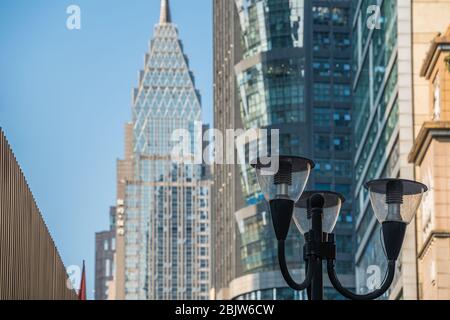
x,y
395,199
282,180
395,202
283,177
331,202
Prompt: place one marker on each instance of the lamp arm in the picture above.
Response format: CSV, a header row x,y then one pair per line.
x,y
370,296
285,272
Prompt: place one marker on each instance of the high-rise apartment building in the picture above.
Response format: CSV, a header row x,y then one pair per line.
x,y
291,73
105,250
227,191
390,41
163,237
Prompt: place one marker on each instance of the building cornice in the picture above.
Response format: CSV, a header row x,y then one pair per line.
x,y
429,131
440,43
436,234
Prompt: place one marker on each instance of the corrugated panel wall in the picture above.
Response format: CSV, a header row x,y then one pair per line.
x,y
30,266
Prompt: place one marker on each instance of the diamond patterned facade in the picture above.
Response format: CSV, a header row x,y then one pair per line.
x,y
166,204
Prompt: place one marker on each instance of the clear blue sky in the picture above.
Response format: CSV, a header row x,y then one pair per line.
x,y
65,95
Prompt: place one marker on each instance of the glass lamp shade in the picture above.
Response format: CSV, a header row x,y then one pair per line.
x,y
283,177
395,199
331,209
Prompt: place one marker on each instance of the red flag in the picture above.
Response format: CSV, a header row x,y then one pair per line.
x,y
82,292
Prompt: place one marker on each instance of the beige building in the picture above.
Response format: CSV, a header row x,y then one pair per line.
x,y
431,154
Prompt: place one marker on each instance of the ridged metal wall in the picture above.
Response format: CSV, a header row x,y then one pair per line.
x,y
30,266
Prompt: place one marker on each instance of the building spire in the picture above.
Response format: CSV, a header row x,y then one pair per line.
x,y
165,12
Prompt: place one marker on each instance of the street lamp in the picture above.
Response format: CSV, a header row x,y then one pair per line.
x,y
315,214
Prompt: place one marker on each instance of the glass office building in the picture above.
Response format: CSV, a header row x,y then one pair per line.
x,y
375,116
294,75
331,115
165,221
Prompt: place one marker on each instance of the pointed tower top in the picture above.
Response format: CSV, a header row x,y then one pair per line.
x,y
165,12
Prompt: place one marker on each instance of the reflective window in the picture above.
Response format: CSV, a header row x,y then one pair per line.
x,y
340,16
321,41
322,117
322,142
321,15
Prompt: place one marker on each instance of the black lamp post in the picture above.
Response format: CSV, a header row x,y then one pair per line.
x,y
315,213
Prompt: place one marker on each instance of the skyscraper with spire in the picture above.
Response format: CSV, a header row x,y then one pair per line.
x,y
163,206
